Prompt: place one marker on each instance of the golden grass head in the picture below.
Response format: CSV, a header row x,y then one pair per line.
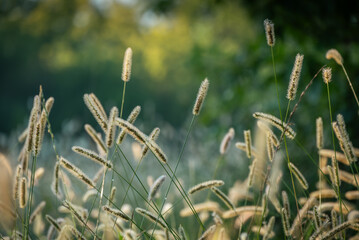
x,y
299,176
269,29
248,141
226,141
294,77
150,216
319,132
23,193
205,185
111,129
201,95
334,54
76,172
327,75
274,121
127,65
116,213
156,187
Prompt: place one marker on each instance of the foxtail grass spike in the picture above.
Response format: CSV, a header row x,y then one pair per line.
x,y
92,156
285,201
112,195
131,119
127,65
225,199
37,211
55,184
226,141
201,95
270,147
317,220
156,187
327,75
76,172
319,133
294,77
15,190
289,132
116,213
153,218
269,30
269,228
208,232
334,54
348,146
153,137
23,193
248,141
252,169
111,129
205,185
334,218
53,222
182,233
330,234
96,112
96,137
301,179
262,125
32,125
98,106
285,221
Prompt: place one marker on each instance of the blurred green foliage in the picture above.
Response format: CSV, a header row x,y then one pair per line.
x,y
74,47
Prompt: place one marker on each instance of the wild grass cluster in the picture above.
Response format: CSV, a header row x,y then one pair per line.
x,y
115,202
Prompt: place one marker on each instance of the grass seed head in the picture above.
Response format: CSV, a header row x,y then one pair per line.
x,y
201,95
269,30
127,65
334,54
294,77
327,75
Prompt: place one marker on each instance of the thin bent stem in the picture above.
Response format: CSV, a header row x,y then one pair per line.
x,y
350,84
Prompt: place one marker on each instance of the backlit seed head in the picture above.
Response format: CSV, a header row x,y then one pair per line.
x,y
334,54
327,75
127,64
201,95
319,133
294,77
269,29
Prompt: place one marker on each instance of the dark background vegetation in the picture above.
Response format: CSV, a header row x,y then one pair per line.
x,y
74,47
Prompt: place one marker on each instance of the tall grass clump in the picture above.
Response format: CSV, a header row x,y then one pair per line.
x,y
99,192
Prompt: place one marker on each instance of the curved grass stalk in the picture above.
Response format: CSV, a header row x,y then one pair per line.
x,y
350,84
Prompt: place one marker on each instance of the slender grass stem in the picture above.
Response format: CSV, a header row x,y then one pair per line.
x,y
101,195
33,168
174,172
350,84
335,155
137,177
